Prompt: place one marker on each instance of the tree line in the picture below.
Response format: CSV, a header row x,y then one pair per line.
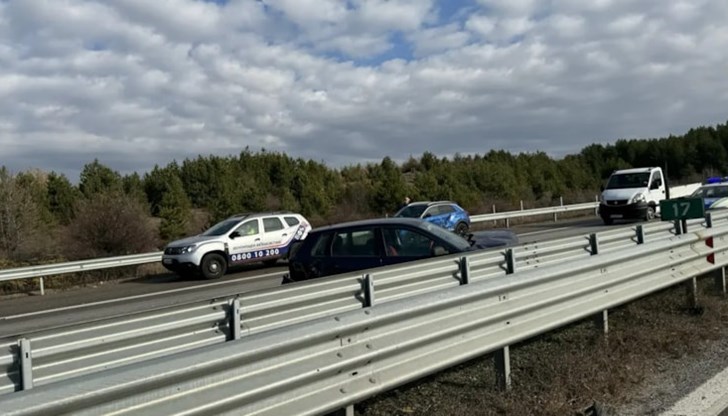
x,y
44,216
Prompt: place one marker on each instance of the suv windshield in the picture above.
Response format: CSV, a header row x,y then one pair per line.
x,y
221,227
628,180
452,238
412,211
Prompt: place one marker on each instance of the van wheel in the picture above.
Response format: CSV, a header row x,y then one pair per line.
x,y
270,262
650,214
213,266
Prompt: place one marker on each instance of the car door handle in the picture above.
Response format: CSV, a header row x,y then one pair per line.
x,y
257,239
285,235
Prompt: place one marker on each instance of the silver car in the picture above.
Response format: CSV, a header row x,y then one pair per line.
x,y
245,238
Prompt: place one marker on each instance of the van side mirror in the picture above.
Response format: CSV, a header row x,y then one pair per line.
x,y
234,234
656,184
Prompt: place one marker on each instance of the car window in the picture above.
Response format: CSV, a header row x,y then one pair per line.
x,y
412,211
457,241
407,242
431,212
355,243
221,227
321,246
445,209
291,221
272,224
711,192
248,228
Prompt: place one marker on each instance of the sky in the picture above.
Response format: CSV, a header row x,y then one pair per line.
x,y
134,83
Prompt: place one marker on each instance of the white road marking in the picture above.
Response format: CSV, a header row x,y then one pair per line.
x,y
146,295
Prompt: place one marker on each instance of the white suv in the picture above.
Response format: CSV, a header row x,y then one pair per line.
x,y
240,239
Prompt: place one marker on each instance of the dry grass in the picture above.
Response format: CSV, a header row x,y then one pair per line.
x,y
567,371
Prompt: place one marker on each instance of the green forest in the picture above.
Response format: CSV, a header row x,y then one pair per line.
x,y
45,217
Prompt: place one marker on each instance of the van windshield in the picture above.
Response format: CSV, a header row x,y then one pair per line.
x,y
628,180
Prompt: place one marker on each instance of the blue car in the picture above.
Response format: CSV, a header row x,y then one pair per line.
x,y
446,214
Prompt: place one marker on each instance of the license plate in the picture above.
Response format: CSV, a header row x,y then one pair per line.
x,y
167,261
617,215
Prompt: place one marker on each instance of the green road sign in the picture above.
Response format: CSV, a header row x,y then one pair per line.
x,y
682,209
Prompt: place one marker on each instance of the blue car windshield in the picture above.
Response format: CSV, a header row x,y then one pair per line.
x,y
450,237
412,211
221,227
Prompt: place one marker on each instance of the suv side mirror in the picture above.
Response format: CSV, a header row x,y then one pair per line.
x,y
234,234
428,215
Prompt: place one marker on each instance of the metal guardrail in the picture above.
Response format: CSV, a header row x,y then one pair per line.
x,y
328,363
62,353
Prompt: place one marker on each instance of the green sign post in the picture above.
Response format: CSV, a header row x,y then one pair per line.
x,y
680,210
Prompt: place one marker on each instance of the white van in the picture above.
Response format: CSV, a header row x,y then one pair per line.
x,y
633,193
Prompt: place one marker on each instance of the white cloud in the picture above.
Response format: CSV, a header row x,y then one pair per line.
x,y
136,83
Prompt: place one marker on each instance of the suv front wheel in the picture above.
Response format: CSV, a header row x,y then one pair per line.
x,y
213,266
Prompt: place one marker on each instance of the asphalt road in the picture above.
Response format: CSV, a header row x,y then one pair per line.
x,y
22,315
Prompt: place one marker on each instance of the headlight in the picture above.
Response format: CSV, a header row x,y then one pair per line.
x,y
188,249
638,198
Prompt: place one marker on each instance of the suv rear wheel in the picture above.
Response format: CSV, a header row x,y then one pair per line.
x,y
213,266
461,229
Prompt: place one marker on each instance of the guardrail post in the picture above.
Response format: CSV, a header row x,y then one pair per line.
x,y
495,222
720,280
679,230
601,320
510,261
26,364
42,287
691,287
235,319
596,209
521,205
368,284
503,368
708,220
508,223
640,234
594,244
464,270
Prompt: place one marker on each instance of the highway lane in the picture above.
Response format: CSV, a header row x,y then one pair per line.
x,y
33,313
